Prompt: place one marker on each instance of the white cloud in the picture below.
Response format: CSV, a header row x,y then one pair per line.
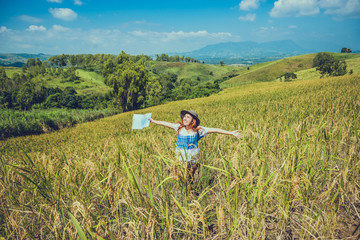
x,y
170,36
78,2
344,8
33,28
55,1
266,29
330,3
140,22
66,14
59,28
59,39
139,33
30,19
249,17
247,5
3,29
284,8
337,8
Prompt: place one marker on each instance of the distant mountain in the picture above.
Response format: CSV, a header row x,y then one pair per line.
x,y
248,49
246,52
19,59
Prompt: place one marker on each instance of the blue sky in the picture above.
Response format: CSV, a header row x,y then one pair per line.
x,y
149,27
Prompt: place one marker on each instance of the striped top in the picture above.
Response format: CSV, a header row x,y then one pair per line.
x,y
187,147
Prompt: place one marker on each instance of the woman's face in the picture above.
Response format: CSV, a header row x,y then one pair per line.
x,y
187,119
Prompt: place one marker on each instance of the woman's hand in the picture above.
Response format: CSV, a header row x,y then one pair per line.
x,y
151,120
237,134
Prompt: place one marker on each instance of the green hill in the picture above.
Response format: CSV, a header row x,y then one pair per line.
x,y
93,83
194,71
19,59
89,83
301,65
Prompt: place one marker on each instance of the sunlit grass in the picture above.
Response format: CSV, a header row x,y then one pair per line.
x,y
295,174
11,70
193,71
269,71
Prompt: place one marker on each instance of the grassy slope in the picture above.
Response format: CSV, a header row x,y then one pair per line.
x,y
90,82
271,70
11,70
301,65
352,61
93,83
193,70
294,174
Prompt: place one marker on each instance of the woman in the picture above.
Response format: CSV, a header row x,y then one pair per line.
x,y
189,133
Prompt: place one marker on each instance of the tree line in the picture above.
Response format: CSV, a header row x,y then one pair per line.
x,y
134,84
166,58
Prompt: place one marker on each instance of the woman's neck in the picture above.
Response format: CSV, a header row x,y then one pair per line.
x,y
188,127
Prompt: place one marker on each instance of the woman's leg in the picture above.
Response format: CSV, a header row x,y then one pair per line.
x,y
191,170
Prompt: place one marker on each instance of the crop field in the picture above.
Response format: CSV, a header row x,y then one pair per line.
x,y
294,175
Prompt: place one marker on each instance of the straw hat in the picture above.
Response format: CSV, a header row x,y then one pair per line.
x,y
192,113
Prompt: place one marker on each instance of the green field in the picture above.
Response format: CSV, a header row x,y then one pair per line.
x,y
90,83
11,70
20,123
300,65
193,71
295,174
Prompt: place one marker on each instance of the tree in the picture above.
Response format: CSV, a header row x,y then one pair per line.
x,y
53,101
128,82
289,76
322,58
153,92
3,78
346,50
25,96
221,63
339,68
328,65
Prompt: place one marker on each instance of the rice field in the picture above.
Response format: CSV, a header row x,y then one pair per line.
x,y
295,174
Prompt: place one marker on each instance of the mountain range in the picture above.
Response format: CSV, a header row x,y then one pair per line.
x,y
230,52
19,59
250,52
248,49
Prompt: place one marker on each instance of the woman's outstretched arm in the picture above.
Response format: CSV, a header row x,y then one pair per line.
x,y
235,133
162,123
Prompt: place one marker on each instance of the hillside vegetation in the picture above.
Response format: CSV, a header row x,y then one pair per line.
x,y
195,72
294,175
93,83
300,65
101,84
90,82
19,59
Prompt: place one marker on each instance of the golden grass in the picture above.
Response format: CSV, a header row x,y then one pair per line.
x,y
269,71
300,65
295,174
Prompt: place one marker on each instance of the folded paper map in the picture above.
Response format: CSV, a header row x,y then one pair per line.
x,y
141,121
